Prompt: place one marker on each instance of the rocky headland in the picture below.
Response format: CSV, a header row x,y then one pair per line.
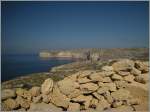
x,y
113,86
96,54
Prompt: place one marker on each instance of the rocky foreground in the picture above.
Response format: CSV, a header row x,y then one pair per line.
x,y
119,87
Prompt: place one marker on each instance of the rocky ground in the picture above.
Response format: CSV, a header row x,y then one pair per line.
x,y
115,86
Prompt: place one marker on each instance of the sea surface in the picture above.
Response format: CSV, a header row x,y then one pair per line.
x,y
13,66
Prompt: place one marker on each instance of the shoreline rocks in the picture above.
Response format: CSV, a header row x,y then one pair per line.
x,y
101,90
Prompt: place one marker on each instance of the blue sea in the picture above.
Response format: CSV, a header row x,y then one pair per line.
x,y
13,66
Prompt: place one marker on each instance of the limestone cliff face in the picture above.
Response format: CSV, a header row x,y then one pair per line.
x,y
61,54
98,54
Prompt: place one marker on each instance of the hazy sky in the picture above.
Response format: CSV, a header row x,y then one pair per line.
x,y
28,27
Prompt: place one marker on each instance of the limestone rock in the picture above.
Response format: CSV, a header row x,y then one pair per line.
x,y
143,78
84,80
108,97
23,102
47,86
120,84
46,98
117,103
107,68
96,77
67,86
122,108
75,93
74,107
7,93
106,73
102,105
88,88
43,107
124,65
85,73
110,86
121,94
116,77
133,101
27,95
107,79
102,90
141,66
135,72
11,104
94,103
98,96
123,73
58,98
129,78
83,99
37,99
20,91
35,91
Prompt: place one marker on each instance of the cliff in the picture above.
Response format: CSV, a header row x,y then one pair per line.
x,y
98,54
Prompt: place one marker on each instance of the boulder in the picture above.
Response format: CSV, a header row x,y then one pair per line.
x,y
37,99
27,95
8,93
46,98
123,65
35,91
111,86
123,73
11,104
107,79
120,84
59,99
96,77
107,68
85,73
43,107
102,90
75,93
116,77
98,96
20,91
143,78
129,78
47,86
117,103
122,108
94,103
133,101
121,94
88,88
102,105
74,107
84,80
108,97
106,73
83,99
67,86
141,66
23,102
135,72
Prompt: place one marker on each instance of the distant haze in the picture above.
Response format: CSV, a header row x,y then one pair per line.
x,y
29,27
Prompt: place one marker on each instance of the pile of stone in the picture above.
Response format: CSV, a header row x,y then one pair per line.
x,y
103,90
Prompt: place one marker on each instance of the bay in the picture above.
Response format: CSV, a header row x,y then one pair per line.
x,y
13,66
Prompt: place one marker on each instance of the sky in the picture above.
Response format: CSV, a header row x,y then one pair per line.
x,y
29,27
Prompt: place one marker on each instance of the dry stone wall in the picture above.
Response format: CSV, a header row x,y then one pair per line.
x,y
91,90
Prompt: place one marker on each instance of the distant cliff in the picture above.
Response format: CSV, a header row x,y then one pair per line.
x,y
98,54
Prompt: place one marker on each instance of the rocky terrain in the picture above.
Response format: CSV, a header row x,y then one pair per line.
x,y
117,86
